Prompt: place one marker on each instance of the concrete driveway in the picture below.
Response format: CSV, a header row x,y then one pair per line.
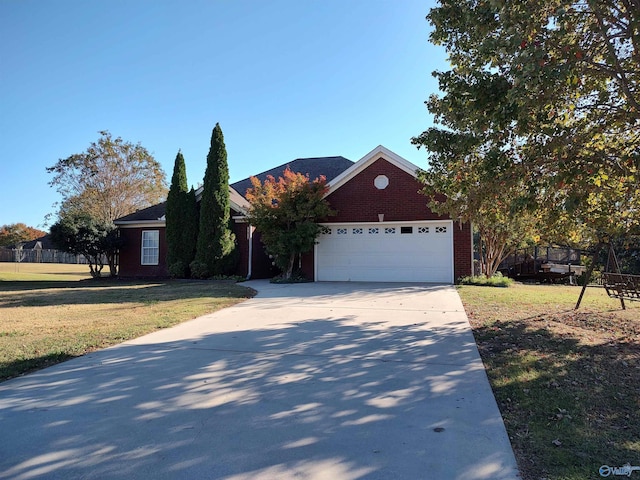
x,y
310,381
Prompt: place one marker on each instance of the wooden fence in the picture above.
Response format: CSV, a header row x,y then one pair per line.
x,y
39,256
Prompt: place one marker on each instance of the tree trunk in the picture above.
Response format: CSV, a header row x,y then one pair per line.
x,y
95,265
292,261
93,268
494,252
113,268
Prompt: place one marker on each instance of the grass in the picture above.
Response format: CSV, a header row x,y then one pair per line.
x,y
10,271
567,382
47,315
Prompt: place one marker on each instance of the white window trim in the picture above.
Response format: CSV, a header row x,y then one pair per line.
x,y
142,248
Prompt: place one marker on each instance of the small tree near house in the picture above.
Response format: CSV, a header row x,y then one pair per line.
x,y
216,250
286,213
93,238
181,222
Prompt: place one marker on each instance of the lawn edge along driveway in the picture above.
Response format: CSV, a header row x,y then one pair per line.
x,y
319,380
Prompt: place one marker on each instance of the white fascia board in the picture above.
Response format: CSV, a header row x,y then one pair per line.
x,y
235,205
237,208
141,223
368,159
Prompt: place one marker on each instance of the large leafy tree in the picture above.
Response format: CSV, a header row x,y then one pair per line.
x,y
476,173
553,87
286,212
216,250
94,239
474,187
181,221
15,233
112,178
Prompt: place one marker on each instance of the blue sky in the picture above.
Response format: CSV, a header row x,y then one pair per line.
x,y
284,78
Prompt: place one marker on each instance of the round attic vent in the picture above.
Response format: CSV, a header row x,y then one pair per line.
x,y
381,182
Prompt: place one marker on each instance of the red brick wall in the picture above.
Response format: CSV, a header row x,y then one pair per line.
x,y
130,254
242,242
356,201
360,201
308,266
462,244
262,265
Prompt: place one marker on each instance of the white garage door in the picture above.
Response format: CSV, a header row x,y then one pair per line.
x,y
384,252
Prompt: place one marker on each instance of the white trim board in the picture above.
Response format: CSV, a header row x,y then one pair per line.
x,y
366,161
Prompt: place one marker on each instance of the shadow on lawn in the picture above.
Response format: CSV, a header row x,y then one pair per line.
x,y
569,407
327,397
23,366
113,291
28,285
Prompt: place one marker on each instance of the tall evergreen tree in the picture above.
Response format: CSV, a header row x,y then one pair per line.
x,y
181,221
216,242
191,227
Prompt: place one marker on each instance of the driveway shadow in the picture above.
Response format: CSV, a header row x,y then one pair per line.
x,y
89,292
330,397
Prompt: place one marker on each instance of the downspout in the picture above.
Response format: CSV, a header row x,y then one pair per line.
x,y
473,249
250,269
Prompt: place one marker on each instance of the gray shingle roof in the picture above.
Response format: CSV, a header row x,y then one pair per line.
x,y
156,212
45,242
153,212
330,167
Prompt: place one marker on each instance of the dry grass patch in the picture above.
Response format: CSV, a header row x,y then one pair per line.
x,y
10,271
44,322
567,383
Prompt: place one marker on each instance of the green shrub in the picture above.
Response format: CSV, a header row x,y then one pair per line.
x,y
199,270
496,280
178,270
296,277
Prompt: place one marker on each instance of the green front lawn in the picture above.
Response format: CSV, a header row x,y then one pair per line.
x,y
45,319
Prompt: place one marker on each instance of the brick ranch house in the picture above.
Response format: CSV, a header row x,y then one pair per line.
x,y
383,230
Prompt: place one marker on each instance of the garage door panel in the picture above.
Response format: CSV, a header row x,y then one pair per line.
x,y
346,274
388,261
357,253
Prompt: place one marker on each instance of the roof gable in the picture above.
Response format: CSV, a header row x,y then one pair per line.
x,y
368,160
237,202
45,243
329,167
